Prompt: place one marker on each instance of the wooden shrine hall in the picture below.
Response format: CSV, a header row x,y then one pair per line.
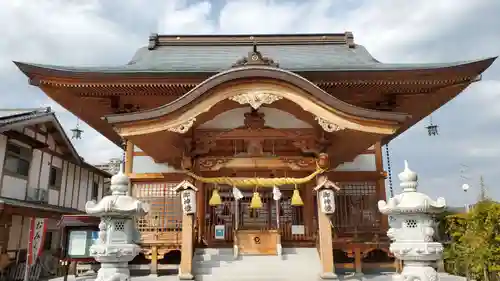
x,y
258,126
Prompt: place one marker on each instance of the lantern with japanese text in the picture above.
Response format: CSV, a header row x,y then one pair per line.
x,y
326,195
188,196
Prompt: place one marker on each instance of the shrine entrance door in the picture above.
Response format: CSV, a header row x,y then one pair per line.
x,y
276,222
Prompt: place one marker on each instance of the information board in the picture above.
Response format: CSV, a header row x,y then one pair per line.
x,y
79,242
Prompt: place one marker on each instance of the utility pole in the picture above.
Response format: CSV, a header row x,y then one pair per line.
x,y
465,185
482,190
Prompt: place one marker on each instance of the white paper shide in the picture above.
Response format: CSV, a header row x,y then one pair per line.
x,y
413,229
115,246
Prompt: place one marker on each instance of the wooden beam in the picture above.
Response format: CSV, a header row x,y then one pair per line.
x,y
165,177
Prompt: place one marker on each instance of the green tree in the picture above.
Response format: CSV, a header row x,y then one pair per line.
x,y
474,250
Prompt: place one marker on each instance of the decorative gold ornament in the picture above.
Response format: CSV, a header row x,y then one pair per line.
x,y
215,200
327,125
296,199
255,98
184,127
256,202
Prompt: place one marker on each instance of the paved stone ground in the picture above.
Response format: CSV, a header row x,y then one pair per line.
x,y
368,277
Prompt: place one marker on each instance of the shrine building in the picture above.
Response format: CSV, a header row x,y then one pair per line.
x,y
258,126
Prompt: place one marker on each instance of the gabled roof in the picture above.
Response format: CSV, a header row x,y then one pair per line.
x,y
44,115
216,53
7,118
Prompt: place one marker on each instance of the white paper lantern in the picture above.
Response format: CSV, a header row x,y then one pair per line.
x,y
188,200
327,201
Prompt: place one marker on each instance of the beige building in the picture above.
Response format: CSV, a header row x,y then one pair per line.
x,y
41,175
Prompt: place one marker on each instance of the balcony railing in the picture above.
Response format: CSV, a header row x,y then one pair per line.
x,y
38,195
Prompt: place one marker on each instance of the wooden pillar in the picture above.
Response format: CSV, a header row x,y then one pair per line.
x,y
154,260
308,210
187,248
200,209
381,192
325,245
358,263
129,157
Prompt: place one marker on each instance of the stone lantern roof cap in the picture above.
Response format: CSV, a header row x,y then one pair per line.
x,y
119,179
119,203
410,200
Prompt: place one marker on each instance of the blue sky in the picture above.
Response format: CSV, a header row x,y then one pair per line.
x,y
108,32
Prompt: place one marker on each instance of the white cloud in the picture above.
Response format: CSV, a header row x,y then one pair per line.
x,y
59,32
107,32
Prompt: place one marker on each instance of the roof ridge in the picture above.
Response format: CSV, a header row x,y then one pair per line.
x,y
27,113
346,38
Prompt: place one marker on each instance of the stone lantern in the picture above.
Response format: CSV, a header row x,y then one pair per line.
x,y
413,229
116,246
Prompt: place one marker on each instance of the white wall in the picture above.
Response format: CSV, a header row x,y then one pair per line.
x,y
146,164
362,162
13,187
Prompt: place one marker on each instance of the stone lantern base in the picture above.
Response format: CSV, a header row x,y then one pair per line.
x,y
114,260
421,271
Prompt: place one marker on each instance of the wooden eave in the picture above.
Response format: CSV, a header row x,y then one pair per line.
x,y
344,78
262,74
424,83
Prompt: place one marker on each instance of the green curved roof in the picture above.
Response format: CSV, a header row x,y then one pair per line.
x,y
213,59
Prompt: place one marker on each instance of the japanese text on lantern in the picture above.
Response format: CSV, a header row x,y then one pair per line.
x,y
327,201
188,201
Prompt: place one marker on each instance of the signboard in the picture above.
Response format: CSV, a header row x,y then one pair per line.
x,y
79,242
327,201
188,198
38,228
298,230
220,231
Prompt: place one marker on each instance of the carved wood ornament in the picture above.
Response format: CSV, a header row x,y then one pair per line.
x,y
255,98
255,58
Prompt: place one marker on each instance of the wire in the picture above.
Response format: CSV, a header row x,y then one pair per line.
x,y
389,173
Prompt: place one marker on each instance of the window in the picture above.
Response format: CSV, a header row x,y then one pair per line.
x,y
17,160
55,177
95,190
